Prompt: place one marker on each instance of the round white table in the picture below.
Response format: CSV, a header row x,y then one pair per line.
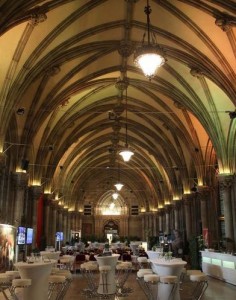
x,y
111,282
164,267
39,273
153,254
50,255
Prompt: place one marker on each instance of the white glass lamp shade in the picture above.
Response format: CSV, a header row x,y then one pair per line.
x,y
126,154
118,186
148,60
115,196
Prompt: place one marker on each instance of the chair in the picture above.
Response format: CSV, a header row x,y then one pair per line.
x,y
151,284
140,279
69,278
123,271
201,284
88,271
79,259
19,283
126,257
169,286
143,262
13,274
56,285
5,285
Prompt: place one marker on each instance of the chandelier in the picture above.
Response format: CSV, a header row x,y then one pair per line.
x,y
115,195
149,57
126,153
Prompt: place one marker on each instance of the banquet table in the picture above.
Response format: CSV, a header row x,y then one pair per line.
x,y
154,254
111,282
50,255
171,267
39,273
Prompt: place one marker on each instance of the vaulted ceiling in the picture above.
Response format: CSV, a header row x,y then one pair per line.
x,y
65,66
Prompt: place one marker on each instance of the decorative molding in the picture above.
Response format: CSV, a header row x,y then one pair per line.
x,y
37,18
196,73
126,48
225,23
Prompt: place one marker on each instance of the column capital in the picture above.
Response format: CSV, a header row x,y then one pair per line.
x,y
36,191
167,208
161,211
225,181
204,192
187,198
177,204
3,158
20,180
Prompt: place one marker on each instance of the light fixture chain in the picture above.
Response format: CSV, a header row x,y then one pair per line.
x,y
148,11
126,116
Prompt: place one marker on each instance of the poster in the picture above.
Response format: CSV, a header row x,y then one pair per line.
x,y
7,246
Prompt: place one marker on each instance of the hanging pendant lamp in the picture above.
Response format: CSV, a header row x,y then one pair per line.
x,y
149,57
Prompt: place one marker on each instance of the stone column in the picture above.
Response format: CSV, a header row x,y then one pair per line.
x,y
176,206
225,182
53,224
187,212
65,225
77,221
167,217
150,224
60,217
161,215
36,191
143,226
3,188
47,221
69,227
204,195
154,221
20,183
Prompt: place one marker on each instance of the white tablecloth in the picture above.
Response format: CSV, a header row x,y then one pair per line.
x,y
39,273
164,267
111,261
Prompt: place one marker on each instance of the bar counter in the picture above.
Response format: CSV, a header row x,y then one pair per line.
x,y
219,265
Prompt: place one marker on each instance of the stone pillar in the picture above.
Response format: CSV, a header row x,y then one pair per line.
x,y
35,194
154,221
150,224
161,216
20,183
69,227
187,212
143,226
77,221
225,182
53,224
3,199
47,221
60,218
167,217
176,206
204,195
65,225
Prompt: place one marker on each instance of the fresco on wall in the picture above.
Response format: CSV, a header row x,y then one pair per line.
x,y
7,246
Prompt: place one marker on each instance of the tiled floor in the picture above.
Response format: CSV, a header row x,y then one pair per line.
x,y
217,290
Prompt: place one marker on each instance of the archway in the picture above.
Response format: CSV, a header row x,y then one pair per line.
x,y
111,230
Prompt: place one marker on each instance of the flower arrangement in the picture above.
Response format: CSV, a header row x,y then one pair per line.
x,y
168,255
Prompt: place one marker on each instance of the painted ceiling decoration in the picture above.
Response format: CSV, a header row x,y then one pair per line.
x,y
65,66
